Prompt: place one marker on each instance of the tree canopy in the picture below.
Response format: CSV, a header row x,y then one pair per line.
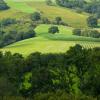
x,y
3,5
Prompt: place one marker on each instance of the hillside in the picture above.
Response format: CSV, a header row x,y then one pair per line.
x,y
45,42
69,16
49,49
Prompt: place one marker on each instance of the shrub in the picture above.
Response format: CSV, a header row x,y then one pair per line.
x,y
90,33
53,29
45,20
87,33
77,32
3,5
92,21
49,2
35,16
58,20
8,21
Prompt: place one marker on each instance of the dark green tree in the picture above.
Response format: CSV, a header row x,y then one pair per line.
x,y
53,29
3,5
49,2
36,16
76,31
92,21
58,20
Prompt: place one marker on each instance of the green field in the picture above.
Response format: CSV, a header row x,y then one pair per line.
x,y
22,8
51,43
45,42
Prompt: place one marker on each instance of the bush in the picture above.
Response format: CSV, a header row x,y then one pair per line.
x,y
3,5
18,32
49,2
45,20
61,95
91,33
8,21
87,33
77,32
78,10
58,20
29,34
92,21
36,16
53,29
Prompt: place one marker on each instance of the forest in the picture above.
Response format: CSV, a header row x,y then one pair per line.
x,y
49,49
82,5
45,76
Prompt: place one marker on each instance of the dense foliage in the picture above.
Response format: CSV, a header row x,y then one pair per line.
x,y
87,33
91,7
49,2
12,30
37,18
3,5
92,21
53,29
74,74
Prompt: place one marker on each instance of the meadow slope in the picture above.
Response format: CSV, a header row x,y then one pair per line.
x,y
25,7
45,42
51,43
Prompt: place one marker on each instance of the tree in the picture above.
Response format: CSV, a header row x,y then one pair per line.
x,y
58,20
53,29
41,80
90,33
8,21
29,34
35,16
45,20
3,5
77,32
49,2
92,21
6,88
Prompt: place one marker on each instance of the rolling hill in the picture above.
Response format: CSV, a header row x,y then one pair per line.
x,y
22,8
48,43
45,42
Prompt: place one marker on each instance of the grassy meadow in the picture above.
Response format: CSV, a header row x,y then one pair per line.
x,y
26,7
48,43
45,42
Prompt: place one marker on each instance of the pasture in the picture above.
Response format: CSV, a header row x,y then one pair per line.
x,y
26,7
51,43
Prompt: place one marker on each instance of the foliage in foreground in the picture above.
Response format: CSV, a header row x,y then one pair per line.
x,y
39,75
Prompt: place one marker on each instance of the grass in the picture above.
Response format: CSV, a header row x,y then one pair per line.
x,y
29,6
11,13
20,6
49,43
69,16
39,44
45,42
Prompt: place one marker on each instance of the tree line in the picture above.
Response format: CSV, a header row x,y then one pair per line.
x,y
87,33
90,7
74,74
12,30
3,5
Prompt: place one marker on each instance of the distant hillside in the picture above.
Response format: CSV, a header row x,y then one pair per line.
x,y
3,5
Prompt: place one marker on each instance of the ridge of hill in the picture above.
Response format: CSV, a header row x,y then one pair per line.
x,y
45,42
